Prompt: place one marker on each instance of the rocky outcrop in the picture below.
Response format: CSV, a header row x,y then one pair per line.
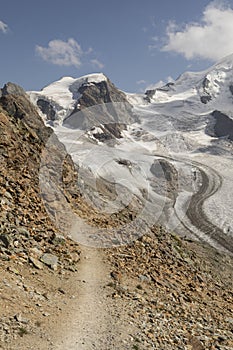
x,y
220,125
109,133
46,108
205,97
165,177
231,88
26,229
223,125
12,89
98,93
149,94
100,103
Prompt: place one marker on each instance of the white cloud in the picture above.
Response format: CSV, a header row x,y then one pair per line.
x,y
97,63
67,53
139,82
61,53
211,38
155,43
3,27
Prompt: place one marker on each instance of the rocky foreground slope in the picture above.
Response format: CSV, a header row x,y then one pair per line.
x,y
25,224
179,293
176,294
28,238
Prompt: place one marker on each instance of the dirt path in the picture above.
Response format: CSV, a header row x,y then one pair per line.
x,y
95,320
83,311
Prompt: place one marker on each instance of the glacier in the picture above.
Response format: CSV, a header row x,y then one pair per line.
x,y
173,130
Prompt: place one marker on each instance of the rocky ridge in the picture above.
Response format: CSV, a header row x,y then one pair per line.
x,y
25,224
32,250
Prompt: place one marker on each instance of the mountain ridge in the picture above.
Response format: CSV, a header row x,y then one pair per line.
x,y
211,87
69,95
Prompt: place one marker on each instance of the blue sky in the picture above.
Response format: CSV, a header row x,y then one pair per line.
x,y
135,43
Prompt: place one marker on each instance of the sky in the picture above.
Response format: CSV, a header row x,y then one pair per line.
x,y
137,44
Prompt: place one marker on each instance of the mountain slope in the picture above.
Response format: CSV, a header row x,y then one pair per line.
x,y
61,101
23,137
212,87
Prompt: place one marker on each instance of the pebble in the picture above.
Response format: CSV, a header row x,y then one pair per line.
x,y
50,260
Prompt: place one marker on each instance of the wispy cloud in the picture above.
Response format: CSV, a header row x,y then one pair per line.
x,y
97,63
141,82
211,38
3,27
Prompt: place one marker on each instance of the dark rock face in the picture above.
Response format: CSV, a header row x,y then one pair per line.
x,y
205,99
124,162
47,109
149,94
110,132
231,88
97,93
115,129
93,103
166,87
206,83
223,125
100,103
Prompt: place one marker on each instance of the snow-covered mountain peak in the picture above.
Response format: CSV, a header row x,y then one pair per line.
x,y
68,86
68,95
65,90
67,82
58,99
211,86
217,72
216,86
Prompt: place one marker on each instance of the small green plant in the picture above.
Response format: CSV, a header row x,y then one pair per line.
x,y
38,323
22,331
111,284
139,287
136,347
